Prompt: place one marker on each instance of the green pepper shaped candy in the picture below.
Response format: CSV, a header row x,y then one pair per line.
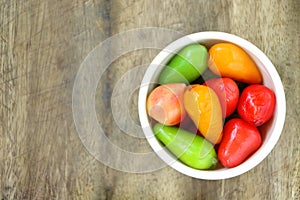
x,y
186,66
191,149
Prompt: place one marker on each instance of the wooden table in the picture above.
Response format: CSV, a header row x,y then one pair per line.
x,y
44,43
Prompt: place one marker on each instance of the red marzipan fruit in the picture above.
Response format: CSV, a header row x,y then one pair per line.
x,y
227,92
256,104
240,140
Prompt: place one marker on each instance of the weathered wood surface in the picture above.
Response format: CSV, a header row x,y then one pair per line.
x,y
42,45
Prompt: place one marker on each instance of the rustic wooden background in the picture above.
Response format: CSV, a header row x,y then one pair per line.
x,y
43,43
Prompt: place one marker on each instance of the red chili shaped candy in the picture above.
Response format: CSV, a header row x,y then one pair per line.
x,y
240,140
256,104
228,93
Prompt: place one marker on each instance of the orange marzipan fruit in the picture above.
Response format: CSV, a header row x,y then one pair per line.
x,y
203,106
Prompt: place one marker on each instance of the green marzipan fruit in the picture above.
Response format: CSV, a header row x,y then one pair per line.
x,y
193,150
186,66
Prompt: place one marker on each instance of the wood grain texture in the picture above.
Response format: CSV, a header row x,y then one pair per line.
x,y
42,45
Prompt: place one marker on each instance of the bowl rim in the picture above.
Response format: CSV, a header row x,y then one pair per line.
x,y
223,173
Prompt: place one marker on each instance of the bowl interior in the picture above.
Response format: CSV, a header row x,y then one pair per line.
x,y
270,131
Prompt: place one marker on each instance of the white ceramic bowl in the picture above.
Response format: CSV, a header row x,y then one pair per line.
x,y
270,131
